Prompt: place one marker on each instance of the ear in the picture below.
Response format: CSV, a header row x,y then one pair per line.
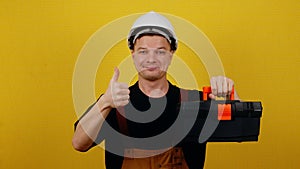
x,y
131,51
172,52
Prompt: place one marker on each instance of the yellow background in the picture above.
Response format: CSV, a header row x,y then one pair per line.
x,y
258,43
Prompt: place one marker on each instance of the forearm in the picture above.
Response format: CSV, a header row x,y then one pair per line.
x,y
89,125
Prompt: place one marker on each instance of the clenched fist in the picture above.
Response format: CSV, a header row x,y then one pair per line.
x,y
221,87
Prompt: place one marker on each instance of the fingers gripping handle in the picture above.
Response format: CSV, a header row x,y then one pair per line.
x,y
207,90
224,110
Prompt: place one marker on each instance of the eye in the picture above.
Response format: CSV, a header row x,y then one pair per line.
x,y
161,52
142,52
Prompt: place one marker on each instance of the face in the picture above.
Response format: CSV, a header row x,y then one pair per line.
x,y
152,57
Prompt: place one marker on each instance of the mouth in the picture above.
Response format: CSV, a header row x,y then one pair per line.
x,y
151,68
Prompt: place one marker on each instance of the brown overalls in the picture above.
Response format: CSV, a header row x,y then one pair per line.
x,y
170,159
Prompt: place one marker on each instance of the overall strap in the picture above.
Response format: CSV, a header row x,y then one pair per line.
x,y
184,95
122,121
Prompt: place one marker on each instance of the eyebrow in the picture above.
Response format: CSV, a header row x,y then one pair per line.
x,y
140,48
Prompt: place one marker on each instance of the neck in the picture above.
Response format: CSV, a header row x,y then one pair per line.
x,y
155,89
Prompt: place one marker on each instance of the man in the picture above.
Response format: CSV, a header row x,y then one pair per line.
x,y
152,42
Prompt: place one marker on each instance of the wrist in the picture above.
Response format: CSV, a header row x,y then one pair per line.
x,y
104,103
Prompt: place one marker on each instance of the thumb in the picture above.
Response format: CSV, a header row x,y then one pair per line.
x,y
116,75
211,96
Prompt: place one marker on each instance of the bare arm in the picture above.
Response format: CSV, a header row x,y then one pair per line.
x,y
89,126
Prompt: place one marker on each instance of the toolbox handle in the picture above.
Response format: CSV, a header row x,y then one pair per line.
x,y
224,110
207,91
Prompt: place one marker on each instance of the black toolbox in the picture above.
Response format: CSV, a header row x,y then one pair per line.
x,y
241,124
222,120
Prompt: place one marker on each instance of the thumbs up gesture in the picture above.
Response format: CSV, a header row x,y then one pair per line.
x,y
117,93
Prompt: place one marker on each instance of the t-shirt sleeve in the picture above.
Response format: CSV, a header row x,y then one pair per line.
x,y
195,95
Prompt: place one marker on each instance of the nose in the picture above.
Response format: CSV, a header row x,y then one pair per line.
x,y
151,57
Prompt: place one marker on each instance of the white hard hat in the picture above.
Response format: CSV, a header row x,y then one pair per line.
x,y
152,23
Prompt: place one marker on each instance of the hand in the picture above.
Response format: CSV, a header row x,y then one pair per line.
x,y
221,86
117,93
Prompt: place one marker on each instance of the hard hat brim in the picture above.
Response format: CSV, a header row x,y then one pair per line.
x,y
151,30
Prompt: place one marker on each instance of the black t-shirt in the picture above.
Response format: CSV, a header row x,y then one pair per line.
x,y
154,116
